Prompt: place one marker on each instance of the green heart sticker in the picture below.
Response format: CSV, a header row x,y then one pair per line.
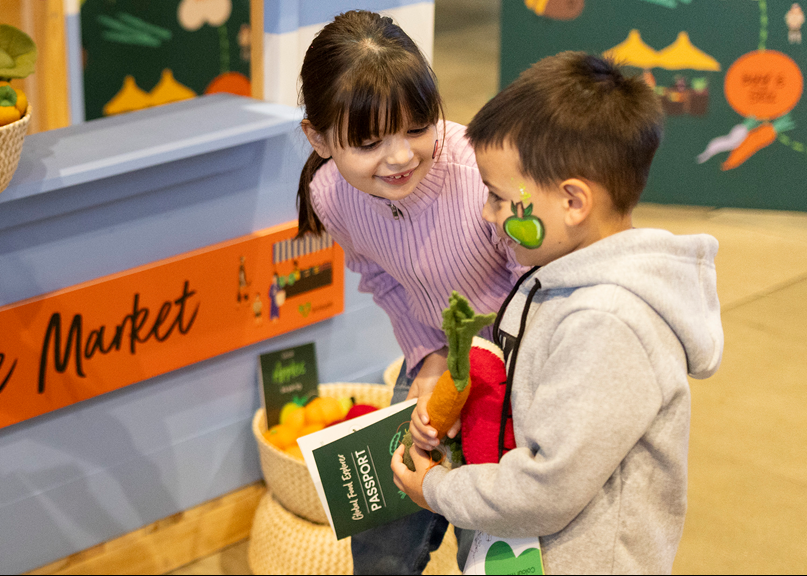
x,y
501,559
304,309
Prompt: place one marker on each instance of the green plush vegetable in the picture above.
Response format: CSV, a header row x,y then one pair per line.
x,y
17,53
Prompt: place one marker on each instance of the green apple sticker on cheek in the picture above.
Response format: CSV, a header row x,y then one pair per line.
x,y
527,230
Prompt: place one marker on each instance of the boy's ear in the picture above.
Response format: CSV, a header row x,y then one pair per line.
x,y
318,140
578,199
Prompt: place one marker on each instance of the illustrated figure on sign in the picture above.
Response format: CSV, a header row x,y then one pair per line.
x,y
257,309
277,296
243,293
244,41
794,20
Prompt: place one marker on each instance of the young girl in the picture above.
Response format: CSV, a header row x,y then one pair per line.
x,y
398,188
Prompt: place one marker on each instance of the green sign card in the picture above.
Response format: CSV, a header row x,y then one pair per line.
x,y
287,376
350,466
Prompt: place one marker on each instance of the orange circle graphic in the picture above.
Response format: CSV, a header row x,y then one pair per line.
x,y
765,84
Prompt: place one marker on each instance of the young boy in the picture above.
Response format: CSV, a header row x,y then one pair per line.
x,y
598,337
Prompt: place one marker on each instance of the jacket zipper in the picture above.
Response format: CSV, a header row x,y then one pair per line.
x,y
397,214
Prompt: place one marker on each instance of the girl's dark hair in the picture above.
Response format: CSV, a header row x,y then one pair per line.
x,y
363,77
576,115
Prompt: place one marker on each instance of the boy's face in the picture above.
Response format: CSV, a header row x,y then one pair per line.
x,y
530,218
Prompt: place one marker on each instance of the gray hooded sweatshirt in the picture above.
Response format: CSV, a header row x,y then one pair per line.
x,y
601,405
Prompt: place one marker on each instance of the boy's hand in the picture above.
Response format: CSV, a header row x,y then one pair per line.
x,y
411,482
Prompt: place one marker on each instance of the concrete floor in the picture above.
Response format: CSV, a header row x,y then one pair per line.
x,y
748,450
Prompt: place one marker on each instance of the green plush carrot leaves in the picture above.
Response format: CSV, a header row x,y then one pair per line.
x,y
460,324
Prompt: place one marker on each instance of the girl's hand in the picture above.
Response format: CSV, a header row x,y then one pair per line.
x,y
433,367
411,483
423,435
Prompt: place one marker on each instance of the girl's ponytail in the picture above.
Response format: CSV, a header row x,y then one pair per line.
x,y
308,221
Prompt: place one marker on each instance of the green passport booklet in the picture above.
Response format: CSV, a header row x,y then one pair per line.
x,y
350,466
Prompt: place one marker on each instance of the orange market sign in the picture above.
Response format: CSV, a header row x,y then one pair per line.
x,y
74,344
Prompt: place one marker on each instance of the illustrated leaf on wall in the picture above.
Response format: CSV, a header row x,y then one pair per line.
x,y
128,29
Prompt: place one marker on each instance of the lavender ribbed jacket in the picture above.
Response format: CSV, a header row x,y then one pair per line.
x,y
413,252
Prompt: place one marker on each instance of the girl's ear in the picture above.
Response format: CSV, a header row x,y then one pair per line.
x,y
318,140
577,200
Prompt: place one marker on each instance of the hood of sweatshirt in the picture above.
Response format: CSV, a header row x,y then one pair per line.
x,y
675,275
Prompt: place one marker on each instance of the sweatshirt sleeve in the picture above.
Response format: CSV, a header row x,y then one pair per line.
x,y
595,397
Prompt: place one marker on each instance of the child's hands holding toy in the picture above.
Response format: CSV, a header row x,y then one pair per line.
x,y
411,483
424,435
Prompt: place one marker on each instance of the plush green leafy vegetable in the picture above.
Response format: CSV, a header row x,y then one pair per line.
x,y
17,53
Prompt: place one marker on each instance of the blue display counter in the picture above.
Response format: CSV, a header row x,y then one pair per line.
x,y
113,194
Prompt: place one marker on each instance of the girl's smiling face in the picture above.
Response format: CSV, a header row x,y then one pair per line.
x,y
389,166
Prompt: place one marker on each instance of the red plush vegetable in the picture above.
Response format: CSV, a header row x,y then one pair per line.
x,y
481,415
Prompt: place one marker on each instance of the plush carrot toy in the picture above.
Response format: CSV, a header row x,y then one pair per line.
x,y
460,324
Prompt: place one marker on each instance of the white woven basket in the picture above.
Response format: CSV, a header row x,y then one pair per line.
x,y
282,543
287,477
11,139
392,371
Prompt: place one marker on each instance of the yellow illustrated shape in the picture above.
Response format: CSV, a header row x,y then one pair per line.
x,y
633,51
680,55
131,97
169,90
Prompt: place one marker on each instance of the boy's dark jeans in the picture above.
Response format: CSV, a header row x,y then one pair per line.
x,y
405,546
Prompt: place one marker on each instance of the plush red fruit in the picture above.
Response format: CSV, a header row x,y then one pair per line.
x,y
482,413
359,410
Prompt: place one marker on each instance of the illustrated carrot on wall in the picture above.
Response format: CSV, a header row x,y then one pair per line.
x,y
756,140
460,324
761,136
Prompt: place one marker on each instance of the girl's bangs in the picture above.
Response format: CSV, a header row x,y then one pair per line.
x,y
370,110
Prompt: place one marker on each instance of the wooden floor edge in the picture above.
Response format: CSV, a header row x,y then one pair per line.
x,y
171,542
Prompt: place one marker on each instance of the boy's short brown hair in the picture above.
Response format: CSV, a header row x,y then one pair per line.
x,y
575,115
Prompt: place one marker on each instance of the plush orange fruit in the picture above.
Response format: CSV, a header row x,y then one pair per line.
x,y
310,429
295,452
313,412
281,436
8,114
294,418
323,410
22,102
